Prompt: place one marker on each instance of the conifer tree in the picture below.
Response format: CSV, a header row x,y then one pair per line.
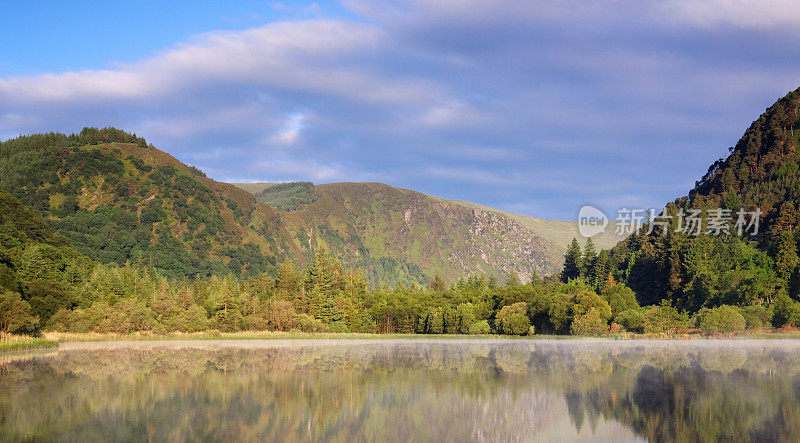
x,y
572,262
589,260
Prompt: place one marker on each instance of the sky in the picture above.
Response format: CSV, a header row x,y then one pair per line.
x,y
535,107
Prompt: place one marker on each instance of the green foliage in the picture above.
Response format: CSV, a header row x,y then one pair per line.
x,y
15,314
586,301
723,319
287,196
513,319
119,201
479,328
591,323
620,298
786,312
632,320
664,319
572,262
756,316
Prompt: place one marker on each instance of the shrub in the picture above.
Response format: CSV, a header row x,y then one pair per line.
x,y
631,319
480,327
664,319
755,316
306,323
591,323
725,319
620,298
585,301
339,327
786,312
513,319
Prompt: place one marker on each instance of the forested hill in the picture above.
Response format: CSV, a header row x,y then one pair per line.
x,y
761,171
395,234
118,200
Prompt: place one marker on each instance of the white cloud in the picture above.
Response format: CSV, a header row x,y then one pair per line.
x,y
763,14
303,56
290,132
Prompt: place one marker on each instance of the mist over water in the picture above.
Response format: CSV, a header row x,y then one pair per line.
x,y
421,390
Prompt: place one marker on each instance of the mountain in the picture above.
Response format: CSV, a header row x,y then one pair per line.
x,y
762,171
558,232
118,200
389,231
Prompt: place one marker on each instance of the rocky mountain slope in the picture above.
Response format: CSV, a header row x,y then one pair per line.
x,y
392,231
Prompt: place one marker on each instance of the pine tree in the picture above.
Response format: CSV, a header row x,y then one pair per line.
x,y
589,260
572,262
437,284
287,280
786,258
513,279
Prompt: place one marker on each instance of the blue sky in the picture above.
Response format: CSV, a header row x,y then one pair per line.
x,y
529,106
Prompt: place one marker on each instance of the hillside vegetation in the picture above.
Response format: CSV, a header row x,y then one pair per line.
x,y
118,200
395,234
78,189
701,273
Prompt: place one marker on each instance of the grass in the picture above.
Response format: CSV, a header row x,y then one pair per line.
x,y
52,338
11,342
249,335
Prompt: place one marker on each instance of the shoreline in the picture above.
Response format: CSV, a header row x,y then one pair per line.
x,y
59,337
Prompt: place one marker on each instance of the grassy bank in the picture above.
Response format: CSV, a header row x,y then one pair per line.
x,y
10,342
247,335
53,337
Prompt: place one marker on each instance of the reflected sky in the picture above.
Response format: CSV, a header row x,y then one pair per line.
x,y
420,390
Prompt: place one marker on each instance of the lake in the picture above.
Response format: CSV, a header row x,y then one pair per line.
x,y
404,390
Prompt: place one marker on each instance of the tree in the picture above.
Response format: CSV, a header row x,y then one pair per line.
x,y
325,274
437,284
664,319
724,319
620,298
287,281
15,314
590,323
572,262
465,317
513,319
480,328
589,260
786,255
513,279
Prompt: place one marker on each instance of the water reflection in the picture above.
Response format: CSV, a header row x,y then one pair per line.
x,y
404,390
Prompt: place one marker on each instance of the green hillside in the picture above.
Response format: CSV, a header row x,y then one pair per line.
x,y
119,200
703,271
37,267
401,235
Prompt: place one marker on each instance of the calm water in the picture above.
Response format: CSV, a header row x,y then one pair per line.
x,y
404,390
